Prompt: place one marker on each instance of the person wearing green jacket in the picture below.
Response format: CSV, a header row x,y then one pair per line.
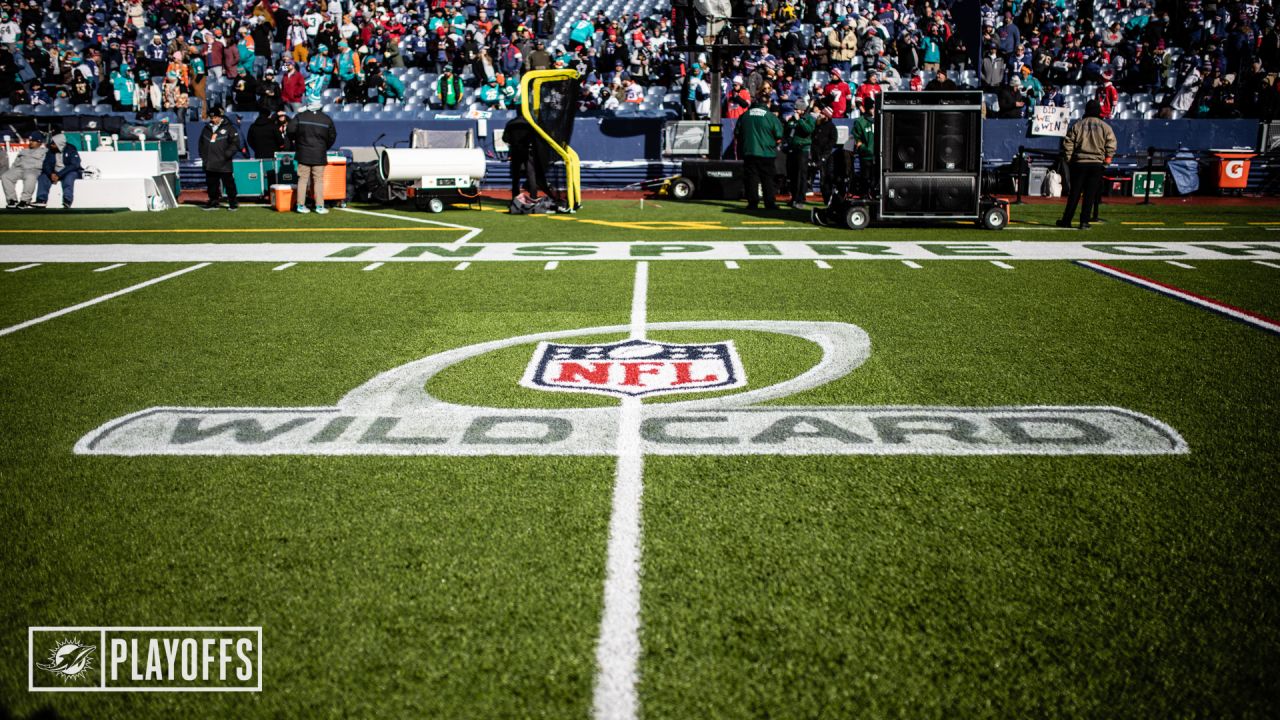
x,y
799,140
759,131
862,144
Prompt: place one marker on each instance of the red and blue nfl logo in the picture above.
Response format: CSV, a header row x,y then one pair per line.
x,y
635,368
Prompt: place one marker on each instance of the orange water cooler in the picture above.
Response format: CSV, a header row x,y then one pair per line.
x,y
335,178
1233,169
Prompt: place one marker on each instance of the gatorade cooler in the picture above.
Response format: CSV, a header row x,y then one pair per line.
x,y
282,197
1233,169
335,178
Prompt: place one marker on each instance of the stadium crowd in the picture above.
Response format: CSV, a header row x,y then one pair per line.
x,y
1198,59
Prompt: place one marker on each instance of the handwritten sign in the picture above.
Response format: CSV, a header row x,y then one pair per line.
x,y
1050,121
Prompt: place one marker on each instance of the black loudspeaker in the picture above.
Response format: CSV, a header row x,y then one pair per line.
x,y
954,144
905,193
907,141
930,194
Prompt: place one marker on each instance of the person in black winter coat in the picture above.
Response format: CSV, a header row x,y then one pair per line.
x,y
312,133
266,135
219,144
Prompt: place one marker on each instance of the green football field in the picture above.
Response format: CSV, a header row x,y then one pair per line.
x,y
957,473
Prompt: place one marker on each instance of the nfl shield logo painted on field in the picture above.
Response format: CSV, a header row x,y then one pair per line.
x,y
634,368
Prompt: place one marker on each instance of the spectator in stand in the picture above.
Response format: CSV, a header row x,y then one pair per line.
x,y
1107,96
449,89
737,100
292,87
869,89
941,82
836,94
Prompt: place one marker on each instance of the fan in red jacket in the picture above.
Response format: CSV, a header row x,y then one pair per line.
x,y
292,86
869,89
836,94
1107,95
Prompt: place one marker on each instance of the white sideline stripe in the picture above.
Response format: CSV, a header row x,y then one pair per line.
x,y
822,264
1267,264
285,266
371,266
104,298
1045,229
20,268
462,266
474,231
912,265
731,264
1002,265
1184,266
1182,229
618,649
109,267
551,265
1254,320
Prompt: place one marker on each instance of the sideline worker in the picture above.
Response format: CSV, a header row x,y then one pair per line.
x,y
61,165
1089,147
26,167
760,132
219,145
313,134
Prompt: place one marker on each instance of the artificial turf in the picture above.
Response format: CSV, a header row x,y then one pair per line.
x,y
772,586
617,220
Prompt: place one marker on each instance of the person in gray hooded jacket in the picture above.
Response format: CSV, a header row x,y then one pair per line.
x,y
25,167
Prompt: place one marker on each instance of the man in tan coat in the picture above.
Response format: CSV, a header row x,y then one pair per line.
x,y
842,42
1089,147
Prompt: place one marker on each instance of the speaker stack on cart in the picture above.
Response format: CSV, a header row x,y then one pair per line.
x,y
930,149
931,154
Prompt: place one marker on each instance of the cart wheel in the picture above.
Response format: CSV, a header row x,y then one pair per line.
x,y
995,218
682,189
857,217
435,205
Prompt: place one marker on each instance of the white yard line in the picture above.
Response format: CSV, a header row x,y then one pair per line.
x,y
462,266
285,266
822,264
1267,264
912,265
1002,265
109,267
731,264
618,649
471,231
104,298
1184,266
551,265
1181,229
20,268
372,266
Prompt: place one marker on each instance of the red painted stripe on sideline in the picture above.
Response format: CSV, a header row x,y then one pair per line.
x,y
1229,310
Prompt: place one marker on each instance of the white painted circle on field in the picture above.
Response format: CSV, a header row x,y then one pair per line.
x,y
635,351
